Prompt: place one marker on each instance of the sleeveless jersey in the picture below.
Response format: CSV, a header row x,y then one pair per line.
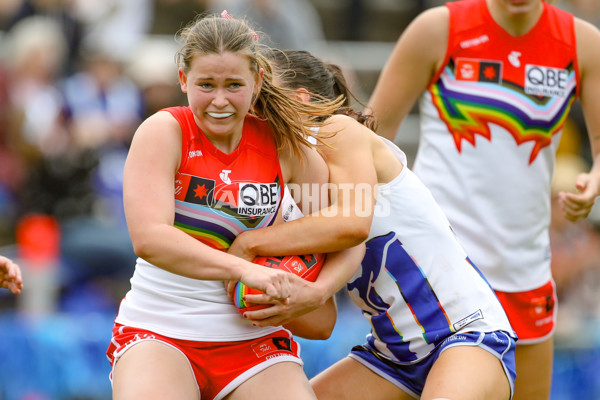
x,y
217,196
490,123
416,285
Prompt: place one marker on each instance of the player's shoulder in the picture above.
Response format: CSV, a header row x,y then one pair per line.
x,y
432,17
429,28
159,123
341,121
588,44
586,30
341,128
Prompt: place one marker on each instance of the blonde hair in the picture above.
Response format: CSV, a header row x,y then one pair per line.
x,y
284,114
37,34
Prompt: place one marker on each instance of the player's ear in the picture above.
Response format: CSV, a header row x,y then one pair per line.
x,y
301,94
182,80
258,81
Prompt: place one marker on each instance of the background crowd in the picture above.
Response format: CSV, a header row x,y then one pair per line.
x,y
76,79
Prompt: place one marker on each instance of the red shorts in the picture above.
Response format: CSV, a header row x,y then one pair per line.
x,y
532,314
219,367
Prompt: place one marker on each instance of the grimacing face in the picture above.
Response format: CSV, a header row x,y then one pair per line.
x,y
220,89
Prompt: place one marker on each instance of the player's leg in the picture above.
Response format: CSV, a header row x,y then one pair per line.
x,y
153,370
467,373
349,379
532,315
284,380
534,370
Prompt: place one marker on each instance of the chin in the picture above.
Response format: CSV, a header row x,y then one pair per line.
x,y
522,6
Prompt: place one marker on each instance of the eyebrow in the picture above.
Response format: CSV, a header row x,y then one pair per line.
x,y
209,78
232,78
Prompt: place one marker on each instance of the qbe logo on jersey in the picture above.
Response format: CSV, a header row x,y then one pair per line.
x,y
257,199
546,81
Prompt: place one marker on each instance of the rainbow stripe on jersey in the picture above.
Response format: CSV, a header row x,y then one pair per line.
x,y
216,215
468,107
219,195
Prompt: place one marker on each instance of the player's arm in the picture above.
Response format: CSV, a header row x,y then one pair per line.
x,y
307,297
316,325
412,64
148,195
346,221
311,312
578,205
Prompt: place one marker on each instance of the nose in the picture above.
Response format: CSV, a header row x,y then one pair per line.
x,y
220,99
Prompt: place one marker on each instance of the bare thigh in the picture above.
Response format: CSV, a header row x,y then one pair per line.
x,y
534,370
285,380
153,370
348,379
467,373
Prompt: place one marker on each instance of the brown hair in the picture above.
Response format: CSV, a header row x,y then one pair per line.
x,y
216,35
300,69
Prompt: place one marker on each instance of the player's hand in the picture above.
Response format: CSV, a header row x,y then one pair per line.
x,y
576,206
10,275
274,283
305,297
230,287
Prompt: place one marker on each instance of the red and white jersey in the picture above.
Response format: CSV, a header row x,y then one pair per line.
x,y
491,120
217,196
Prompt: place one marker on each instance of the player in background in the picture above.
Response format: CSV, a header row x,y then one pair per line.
x,y
438,330
10,275
195,177
496,80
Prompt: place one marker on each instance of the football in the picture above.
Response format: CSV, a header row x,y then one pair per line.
x,y
305,266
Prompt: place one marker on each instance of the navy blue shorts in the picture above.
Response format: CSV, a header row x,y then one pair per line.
x,y
411,377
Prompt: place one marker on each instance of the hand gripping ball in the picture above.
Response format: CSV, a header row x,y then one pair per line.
x,y
305,266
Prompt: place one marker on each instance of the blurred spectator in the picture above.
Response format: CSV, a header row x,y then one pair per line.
x,y
35,54
37,51
13,11
103,105
73,136
152,67
288,24
32,127
575,259
115,26
12,165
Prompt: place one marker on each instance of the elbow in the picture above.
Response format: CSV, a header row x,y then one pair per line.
x,y
318,325
141,246
324,329
357,234
325,332
324,335
362,233
321,332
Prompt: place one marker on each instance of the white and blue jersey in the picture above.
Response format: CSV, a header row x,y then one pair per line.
x,y
416,284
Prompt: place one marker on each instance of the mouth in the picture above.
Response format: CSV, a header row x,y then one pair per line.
x,y
220,115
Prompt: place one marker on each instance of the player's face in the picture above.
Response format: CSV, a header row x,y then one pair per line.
x,y
516,7
220,89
